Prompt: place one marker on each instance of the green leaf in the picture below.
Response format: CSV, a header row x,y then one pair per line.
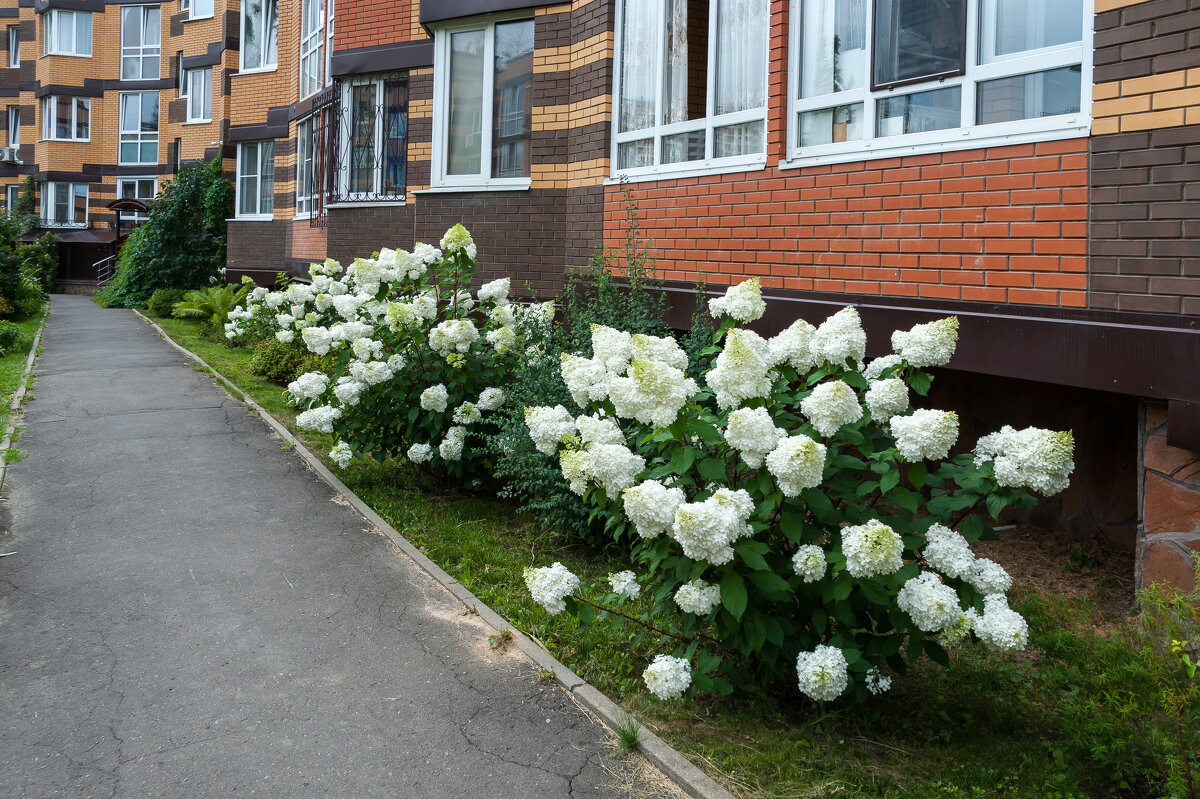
x,y
972,528
712,470
587,614
995,504
919,382
875,592
707,432
751,558
682,460
820,621
917,474
733,593
937,654
842,587
889,481
906,498
769,582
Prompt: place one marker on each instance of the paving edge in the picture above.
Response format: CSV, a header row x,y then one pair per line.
x,y
683,772
14,408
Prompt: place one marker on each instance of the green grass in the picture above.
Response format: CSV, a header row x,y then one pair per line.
x,y
1068,718
12,365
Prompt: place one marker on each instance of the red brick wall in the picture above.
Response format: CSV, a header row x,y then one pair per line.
x,y
368,24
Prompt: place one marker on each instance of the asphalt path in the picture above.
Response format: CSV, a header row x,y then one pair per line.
x,y
190,614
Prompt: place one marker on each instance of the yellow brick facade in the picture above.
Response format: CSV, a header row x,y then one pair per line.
x,y
1164,100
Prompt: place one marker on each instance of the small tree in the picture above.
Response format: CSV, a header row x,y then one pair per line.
x,y
24,213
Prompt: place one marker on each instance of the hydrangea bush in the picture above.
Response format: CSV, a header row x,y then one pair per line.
x,y
419,363
793,513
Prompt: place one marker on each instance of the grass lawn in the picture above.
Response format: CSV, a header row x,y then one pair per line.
x,y
12,365
1067,718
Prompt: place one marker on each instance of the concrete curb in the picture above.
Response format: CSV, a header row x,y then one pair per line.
x,y
675,766
14,408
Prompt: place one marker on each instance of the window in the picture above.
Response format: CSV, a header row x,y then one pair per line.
x,y
316,38
14,126
691,85
899,76
143,189
67,33
139,128
311,185
11,195
64,204
260,35
66,118
140,30
199,94
483,121
374,121
14,47
197,9
256,179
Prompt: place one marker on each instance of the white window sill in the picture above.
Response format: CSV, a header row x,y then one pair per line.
x,y
65,141
252,218
67,55
262,71
197,122
520,185
365,203
64,225
137,163
197,19
691,169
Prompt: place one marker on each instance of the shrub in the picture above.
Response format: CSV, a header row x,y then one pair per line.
x,y
212,304
278,362
163,301
787,521
10,337
39,259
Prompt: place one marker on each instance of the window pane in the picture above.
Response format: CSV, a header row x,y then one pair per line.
x,y
638,70
131,26
362,138
271,34
634,154
915,113
149,113
129,112
511,110
62,118
64,34
918,39
149,152
1029,96
83,33
151,26
831,125
395,136
1013,26
833,43
80,207
465,135
266,185
685,79
82,118
683,147
62,203
128,152
202,8
252,38
741,55
744,139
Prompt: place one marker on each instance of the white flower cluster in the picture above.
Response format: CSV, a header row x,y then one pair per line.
x,y
742,302
925,434
490,399
547,426
793,346
752,432
549,585
667,677
930,344
886,398
495,291
585,378
989,577
625,583
875,369
467,413
1041,460
451,447
341,454
948,552
931,604
653,392
309,385
822,673
706,529
878,683
797,463
598,430
435,398
615,467
320,418
809,563
830,406
840,338
457,239
698,597
420,453
1000,627
453,335
651,507
958,630
872,548
613,348
742,369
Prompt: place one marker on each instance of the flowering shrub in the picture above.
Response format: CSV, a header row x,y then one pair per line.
x,y
793,513
418,362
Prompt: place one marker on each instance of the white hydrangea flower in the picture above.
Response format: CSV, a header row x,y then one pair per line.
x,y
948,552
989,577
741,369
878,683
596,430
698,597
435,398
1041,460
284,320
752,432
875,369
274,300
547,426
794,346
495,291
549,585
625,583
502,339
419,453
425,306
1000,627
585,378
341,454
452,445
840,337
453,335
613,348
463,301
822,673
796,464
809,563
457,239
615,467
372,373
653,393
503,316
956,632
396,362
317,340
348,331
668,677
930,344
663,349
346,306
323,302
931,604
399,315
258,293
348,390
320,418
285,336
427,253
490,399
872,548
925,434
467,413
365,348
886,398
830,406
651,507
742,302
706,529
576,467
337,288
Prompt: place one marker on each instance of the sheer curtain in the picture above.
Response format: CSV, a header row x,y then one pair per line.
x,y
741,74
639,57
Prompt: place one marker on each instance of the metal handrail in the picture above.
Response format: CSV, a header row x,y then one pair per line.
x,y
104,273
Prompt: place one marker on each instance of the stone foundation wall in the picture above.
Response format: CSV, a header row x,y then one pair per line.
x,y
1169,496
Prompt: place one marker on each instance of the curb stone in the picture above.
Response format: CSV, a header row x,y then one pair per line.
x,y
675,766
14,408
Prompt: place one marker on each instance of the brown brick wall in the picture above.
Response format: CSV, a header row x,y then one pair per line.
x,y
1139,39
257,249
358,232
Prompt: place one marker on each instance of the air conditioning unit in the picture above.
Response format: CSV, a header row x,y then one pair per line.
x,y
9,155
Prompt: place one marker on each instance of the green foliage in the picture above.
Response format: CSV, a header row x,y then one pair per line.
x,y
21,294
39,259
163,301
278,362
181,244
10,337
213,303
25,213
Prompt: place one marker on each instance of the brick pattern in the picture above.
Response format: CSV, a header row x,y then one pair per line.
x,y
368,23
1169,533
1136,40
1005,224
1145,221
1156,101
253,249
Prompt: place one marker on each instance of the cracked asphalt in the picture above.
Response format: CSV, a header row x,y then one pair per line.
x,y
188,614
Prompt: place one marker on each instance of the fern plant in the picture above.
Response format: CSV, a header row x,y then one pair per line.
x,y
213,303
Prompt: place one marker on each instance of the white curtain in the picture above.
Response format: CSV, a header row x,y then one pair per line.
x,y
742,55
675,97
639,64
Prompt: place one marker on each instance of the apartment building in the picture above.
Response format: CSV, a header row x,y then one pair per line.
x,y
105,101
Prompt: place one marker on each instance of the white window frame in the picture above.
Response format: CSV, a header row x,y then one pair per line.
x,y
12,195
190,7
137,135
136,217
264,66
306,164
968,135
316,43
50,189
244,174
14,46
709,123
199,94
14,126
441,104
50,118
141,50
345,135
55,18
